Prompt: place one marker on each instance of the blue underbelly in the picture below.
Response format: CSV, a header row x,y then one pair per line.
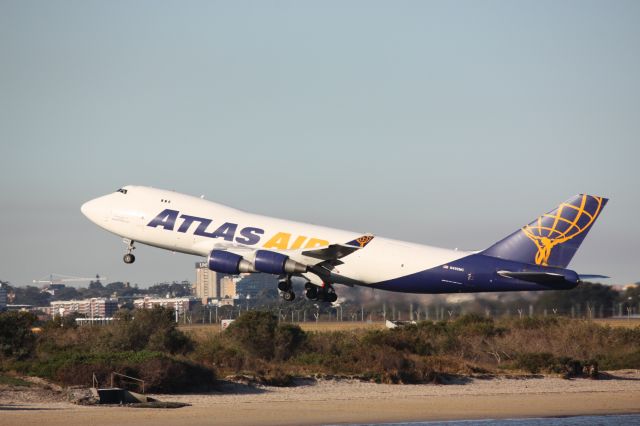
x,y
472,274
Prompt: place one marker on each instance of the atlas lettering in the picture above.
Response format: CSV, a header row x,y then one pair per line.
x,y
171,220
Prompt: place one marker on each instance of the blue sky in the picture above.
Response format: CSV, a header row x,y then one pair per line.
x,y
444,123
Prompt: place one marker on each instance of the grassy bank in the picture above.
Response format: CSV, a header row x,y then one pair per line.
x,y
429,350
148,345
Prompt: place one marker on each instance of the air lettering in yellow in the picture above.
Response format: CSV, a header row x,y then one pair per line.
x,y
316,242
298,242
279,241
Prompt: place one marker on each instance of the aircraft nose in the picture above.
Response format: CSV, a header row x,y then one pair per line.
x,y
91,210
85,208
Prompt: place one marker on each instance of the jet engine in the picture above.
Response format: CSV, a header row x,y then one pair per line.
x,y
277,263
229,263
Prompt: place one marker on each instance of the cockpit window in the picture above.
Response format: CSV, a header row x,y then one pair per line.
x,y
124,191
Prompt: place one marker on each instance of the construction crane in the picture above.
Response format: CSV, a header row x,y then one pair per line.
x,y
61,279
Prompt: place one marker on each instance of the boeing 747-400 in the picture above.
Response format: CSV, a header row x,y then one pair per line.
x,y
534,257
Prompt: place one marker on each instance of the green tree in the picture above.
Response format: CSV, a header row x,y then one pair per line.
x,y
174,289
287,340
95,285
585,293
259,334
31,295
68,321
115,286
631,295
67,293
152,329
254,331
16,338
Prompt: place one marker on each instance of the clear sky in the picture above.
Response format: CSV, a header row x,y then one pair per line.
x,y
445,123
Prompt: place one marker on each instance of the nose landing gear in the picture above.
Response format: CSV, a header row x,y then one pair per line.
x,y
129,257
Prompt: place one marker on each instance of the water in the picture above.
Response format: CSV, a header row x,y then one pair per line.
x,y
610,420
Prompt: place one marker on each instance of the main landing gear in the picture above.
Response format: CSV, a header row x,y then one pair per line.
x,y
325,293
284,285
129,257
322,294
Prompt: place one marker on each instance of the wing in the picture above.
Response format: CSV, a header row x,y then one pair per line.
x,y
316,265
329,257
332,252
338,251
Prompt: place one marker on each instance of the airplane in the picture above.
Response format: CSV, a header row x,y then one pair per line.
x,y
534,257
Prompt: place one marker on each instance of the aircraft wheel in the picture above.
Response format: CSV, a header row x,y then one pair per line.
x,y
332,297
129,258
312,292
288,296
284,285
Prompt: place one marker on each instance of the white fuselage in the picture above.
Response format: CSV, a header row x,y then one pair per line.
x,y
192,225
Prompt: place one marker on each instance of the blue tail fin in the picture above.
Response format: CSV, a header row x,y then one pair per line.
x,y
553,238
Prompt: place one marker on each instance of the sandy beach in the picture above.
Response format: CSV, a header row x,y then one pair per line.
x,y
347,401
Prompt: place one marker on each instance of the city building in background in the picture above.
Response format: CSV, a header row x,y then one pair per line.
x,y
179,304
97,307
228,287
207,285
211,287
3,297
248,286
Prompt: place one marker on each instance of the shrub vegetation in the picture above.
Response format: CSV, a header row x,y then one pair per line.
x,y
144,344
148,345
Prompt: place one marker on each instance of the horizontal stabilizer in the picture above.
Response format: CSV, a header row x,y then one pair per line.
x,y
546,278
584,277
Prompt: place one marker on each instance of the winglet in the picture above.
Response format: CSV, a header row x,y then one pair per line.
x,y
360,242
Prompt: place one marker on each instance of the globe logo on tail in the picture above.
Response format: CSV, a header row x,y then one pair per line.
x,y
569,220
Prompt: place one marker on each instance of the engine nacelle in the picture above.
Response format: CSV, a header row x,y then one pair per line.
x,y
277,263
228,263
